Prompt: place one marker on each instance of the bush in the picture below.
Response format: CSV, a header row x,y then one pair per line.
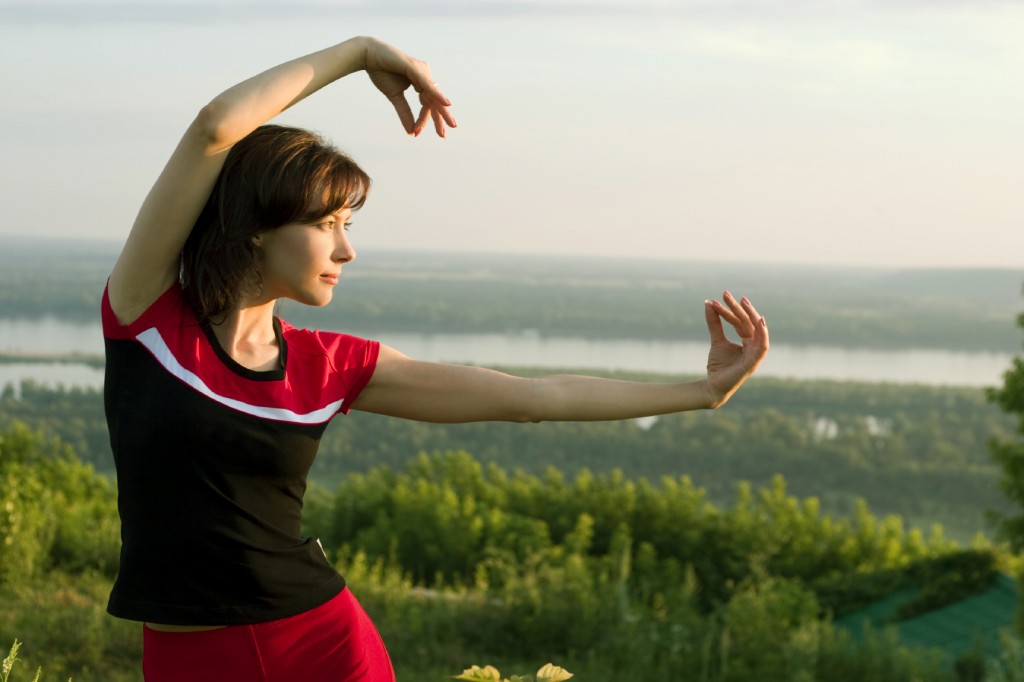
x,y
54,510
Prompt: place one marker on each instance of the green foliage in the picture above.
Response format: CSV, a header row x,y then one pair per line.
x,y
75,415
970,667
62,618
1009,452
941,579
616,578
621,579
447,520
8,664
768,631
1009,666
54,510
917,452
948,579
60,543
1009,455
878,656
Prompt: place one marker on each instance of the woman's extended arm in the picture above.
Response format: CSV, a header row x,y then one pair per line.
x,y
149,261
432,392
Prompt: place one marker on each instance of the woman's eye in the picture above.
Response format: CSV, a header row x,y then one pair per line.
x,y
347,225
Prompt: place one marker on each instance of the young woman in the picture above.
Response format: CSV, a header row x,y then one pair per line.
x,y
216,407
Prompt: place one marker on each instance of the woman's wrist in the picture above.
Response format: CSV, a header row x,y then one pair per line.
x,y
710,400
344,58
362,47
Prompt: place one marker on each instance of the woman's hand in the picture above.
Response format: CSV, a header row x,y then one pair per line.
x,y
393,72
730,364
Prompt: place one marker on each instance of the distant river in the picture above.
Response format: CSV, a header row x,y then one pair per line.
x,y
679,357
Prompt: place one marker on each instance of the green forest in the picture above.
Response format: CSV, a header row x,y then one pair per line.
x,y
914,451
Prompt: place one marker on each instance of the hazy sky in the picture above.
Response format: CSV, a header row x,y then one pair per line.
x,y
867,133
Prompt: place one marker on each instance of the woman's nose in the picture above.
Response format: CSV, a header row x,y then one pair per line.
x,y
344,252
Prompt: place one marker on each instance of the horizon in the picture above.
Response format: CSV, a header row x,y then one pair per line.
x,y
112,245
845,134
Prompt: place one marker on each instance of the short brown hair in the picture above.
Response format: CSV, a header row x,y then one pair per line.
x,y
274,176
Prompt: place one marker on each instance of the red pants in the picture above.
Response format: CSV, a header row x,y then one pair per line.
x,y
335,642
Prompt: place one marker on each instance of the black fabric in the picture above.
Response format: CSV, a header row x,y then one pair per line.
x,y
211,512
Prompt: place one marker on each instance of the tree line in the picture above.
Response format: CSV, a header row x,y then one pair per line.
x,y
916,451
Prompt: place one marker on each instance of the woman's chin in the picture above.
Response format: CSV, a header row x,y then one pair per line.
x,y
317,301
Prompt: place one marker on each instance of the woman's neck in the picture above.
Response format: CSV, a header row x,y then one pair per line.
x,y
247,335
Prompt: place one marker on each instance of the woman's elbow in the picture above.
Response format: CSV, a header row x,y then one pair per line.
x,y
514,412
533,401
214,127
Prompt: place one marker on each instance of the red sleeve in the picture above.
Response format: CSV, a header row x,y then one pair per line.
x,y
353,359
367,352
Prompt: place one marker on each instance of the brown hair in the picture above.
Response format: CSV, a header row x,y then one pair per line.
x,y
274,176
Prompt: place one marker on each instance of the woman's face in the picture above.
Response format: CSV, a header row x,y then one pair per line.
x,y
302,261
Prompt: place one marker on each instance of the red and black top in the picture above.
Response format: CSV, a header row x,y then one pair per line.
x,y
212,460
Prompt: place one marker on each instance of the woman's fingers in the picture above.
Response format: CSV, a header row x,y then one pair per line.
x,y
438,122
741,314
393,72
429,91
742,322
421,121
752,314
725,312
437,107
435,104
441,108
745,318
712,315
762,335
404,112
440,117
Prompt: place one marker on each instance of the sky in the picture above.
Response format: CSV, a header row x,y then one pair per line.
x,y
859,132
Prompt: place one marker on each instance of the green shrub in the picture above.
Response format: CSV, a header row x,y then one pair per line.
x,y
54,510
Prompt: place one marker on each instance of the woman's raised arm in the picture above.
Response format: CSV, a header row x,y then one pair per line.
x,y
150,259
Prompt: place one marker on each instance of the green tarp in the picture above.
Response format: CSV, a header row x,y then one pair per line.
x,y
977,620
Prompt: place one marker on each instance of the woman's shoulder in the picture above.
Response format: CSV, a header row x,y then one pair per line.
x,y
329,343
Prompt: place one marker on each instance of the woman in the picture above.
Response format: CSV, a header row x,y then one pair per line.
x,y
216,407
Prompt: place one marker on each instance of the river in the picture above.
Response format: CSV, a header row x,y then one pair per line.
x,y
933,367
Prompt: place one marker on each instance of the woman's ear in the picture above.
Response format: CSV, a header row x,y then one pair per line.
x,y
257,239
